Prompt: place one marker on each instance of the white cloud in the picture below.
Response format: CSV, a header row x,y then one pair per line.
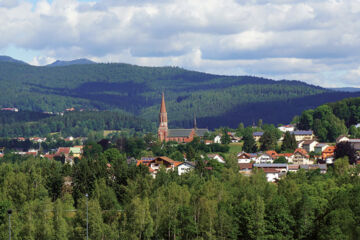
x,y
311,39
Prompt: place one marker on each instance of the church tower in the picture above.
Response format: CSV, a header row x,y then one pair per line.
x,y
163,126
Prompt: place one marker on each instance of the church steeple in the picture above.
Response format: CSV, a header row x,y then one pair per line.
x,y
195,125
163,125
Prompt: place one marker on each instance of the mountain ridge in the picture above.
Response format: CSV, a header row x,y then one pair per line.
x,y
137,90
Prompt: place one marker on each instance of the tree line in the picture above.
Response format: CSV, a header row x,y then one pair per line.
x,y
125,202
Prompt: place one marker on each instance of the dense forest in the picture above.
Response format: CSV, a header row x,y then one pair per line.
x,y
125,202
331,120
216,100
76,124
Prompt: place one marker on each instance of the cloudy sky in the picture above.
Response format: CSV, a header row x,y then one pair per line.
x,y
315,41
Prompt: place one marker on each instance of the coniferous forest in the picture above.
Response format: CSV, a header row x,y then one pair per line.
x,y
137,91
48,201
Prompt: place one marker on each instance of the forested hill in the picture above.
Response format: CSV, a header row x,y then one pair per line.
x,y
216,100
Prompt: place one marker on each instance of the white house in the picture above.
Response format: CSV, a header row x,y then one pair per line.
x,y
287,128
185,167
273,172
303,135
342,138
264,158
319,148
217,139
309,145
244,157
216,157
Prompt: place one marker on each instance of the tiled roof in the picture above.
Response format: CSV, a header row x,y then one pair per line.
x,y
258,134
179,132
308,142
302,132
330,149
272,154
285,154
272,165
200,132
302,152
243,166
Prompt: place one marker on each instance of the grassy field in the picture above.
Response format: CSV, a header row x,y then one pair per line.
x,y
235,147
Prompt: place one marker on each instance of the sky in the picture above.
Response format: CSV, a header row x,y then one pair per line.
x,y
315,41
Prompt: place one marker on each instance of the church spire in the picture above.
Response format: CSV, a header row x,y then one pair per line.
x,y
163,126
195,125
163,107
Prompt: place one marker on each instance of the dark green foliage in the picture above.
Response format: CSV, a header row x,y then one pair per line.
x,y
345,149
74,124
268,141
249,142
215,99
289,143
281,159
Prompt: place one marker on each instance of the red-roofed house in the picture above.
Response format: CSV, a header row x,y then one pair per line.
x,y
301,156
155,164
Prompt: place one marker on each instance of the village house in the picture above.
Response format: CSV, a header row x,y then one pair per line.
x,y
274,171
328,154
257,135
309,145
244,157
264,158
245,168
293,167
288,156
185,167
342,138
158,162
287,128
355,143
303,135
216,157
322,167
217,139
319,148
300,156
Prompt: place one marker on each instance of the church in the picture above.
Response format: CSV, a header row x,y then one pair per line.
x,y
177,135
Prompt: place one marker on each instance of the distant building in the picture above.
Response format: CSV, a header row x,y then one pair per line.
x,y
309,145
257,135
10,109
185,167
155,164
287,128
177,135
303,135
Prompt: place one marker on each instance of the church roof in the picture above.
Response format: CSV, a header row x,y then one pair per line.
x,y
179,132
186,132
200,132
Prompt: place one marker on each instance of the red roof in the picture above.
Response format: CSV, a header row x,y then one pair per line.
x,y
302,152
63,150
285,154
49,156
243,166
330,149
272,154
31,153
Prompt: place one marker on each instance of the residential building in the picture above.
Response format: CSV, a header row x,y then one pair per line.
x,y
320,147
185,167
244,157
328,153
322,167
303,135
264,158
287,128
301,156
245,168
342,138
274,171
216,157
309,145
257,135
155,164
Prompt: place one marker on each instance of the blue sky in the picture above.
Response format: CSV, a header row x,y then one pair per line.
x,y
316,41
